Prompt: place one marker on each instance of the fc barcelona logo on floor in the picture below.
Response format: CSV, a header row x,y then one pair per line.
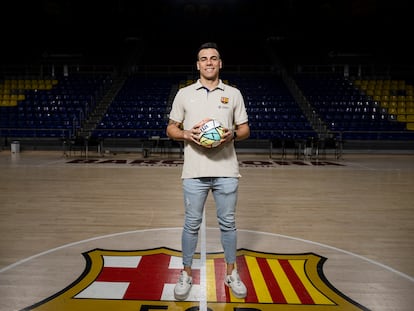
x,y
145,280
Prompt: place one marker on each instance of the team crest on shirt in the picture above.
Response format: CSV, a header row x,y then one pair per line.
x,y
145,280
224,100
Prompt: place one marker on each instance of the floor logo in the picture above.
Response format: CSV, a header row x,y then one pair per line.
x,y
144,280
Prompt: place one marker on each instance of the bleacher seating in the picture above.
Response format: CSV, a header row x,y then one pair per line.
x,y
395,97
351,109
347,109
273,112
139,110
46,108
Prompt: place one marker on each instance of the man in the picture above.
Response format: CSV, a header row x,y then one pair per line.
x,y
214,169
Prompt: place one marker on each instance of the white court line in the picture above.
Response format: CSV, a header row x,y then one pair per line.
x,y
80,242
20,262
203,269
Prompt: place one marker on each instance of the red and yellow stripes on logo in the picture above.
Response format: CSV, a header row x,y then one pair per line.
x,y
268,280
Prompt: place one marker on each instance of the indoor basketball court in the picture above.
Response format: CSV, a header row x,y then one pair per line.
x,y
103,232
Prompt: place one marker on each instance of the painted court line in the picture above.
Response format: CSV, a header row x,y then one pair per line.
x,y
20,262
203,261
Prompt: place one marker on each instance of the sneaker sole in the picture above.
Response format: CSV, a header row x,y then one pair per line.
x,y
234,294
182,297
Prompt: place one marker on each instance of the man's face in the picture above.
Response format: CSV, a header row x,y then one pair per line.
x,y
209,63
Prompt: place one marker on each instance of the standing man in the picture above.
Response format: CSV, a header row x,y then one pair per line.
x,y
204,169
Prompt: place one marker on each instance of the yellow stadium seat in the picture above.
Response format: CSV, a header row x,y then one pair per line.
x,y
8,103
392,110
410,117
384,104
392,104
385,91
377,92
401,98
401,118
401,104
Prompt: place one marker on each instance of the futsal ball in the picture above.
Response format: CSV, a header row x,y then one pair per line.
x,y
211,133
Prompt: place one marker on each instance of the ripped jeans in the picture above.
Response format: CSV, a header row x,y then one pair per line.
x,y
224,190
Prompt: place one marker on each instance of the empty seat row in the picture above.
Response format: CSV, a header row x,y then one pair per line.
x,y
364,115
44,110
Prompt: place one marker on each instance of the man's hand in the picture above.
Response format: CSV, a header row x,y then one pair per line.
x,y
227,137
193,134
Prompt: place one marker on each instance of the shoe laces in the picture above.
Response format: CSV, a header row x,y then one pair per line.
x,y
183,278
234,278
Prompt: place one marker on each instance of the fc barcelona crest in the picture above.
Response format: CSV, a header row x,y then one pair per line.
x,y
145,280
224,100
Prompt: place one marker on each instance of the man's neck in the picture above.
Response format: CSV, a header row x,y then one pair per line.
x,y
210,84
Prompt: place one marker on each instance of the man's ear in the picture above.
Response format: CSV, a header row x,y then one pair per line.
x,y
221,64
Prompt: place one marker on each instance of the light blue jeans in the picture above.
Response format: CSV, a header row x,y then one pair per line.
x,y
224,191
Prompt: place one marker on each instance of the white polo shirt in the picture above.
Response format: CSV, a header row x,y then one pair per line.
x,y
194,103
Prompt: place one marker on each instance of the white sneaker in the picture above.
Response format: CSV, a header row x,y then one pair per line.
x,y
183,286
235,283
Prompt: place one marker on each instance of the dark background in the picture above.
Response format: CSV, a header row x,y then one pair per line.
x,y
170,31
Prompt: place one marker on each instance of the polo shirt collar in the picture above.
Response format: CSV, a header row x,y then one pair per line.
x,y
220,86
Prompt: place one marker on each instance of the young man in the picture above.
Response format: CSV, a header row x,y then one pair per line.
x,y
204,169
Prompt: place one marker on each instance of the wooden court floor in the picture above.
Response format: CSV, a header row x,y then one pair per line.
x,y
357,213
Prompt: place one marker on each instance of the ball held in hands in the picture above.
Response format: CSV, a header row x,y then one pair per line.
x,y
211,134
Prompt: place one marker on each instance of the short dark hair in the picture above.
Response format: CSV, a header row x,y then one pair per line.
x,y
208,45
